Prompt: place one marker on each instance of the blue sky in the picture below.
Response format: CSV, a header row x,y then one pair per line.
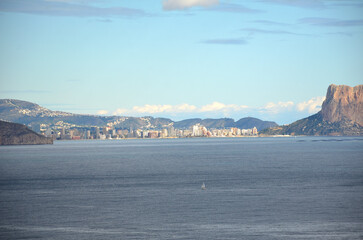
x,y
271,59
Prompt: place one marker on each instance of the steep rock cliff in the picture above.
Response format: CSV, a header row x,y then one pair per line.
x,y
343,103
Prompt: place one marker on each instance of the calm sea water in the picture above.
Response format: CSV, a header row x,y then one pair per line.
x,y
257,188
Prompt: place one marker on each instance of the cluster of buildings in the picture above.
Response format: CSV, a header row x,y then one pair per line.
x,y
201,131
108,132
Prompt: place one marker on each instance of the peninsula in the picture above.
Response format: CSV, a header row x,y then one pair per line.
x,y
19,134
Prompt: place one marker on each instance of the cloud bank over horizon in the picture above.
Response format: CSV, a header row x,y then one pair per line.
x,y
269,111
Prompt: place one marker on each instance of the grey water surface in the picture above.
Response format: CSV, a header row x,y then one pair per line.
x,y
257,188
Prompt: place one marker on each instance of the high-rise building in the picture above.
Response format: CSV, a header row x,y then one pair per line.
x,y
131,133
88,134
171,131
153,134
203,131
195,130
164,133
48,132
254,131
97,133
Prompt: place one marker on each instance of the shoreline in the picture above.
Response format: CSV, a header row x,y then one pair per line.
x,y
264,136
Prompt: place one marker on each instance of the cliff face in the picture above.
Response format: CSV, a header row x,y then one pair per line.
x,y
343,103
18,134
341,114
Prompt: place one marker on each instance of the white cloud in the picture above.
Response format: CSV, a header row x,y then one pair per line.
x,y
120,111
102,112
276,108
217,106
186,108
152,108
155,109
312,106
184,4
181,108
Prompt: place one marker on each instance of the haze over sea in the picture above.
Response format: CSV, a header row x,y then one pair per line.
x,y
257,188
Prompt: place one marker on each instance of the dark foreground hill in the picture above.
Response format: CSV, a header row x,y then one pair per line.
x,y
16,134
341,114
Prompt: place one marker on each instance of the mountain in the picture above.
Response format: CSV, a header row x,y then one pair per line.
x,y
250,122
341,114
32,114
15,134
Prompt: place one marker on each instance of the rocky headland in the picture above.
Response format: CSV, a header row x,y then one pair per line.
x,y
19,134
341,114
343,103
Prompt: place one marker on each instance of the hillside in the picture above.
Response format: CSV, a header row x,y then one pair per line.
x,y
250,122
18,134
32,114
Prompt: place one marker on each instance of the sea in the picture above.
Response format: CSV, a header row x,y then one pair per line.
x,y
256,188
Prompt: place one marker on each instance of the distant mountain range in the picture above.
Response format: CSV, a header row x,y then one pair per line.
x,y
341,114
243,123
32,114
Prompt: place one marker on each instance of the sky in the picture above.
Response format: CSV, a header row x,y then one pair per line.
x,y
270,59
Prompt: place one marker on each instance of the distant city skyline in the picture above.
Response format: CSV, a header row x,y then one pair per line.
x,y
270,59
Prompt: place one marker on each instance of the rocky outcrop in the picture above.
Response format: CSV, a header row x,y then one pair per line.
x,y
343,103
341,114
18,134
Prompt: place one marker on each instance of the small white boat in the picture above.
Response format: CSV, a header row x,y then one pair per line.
x,y
203,187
